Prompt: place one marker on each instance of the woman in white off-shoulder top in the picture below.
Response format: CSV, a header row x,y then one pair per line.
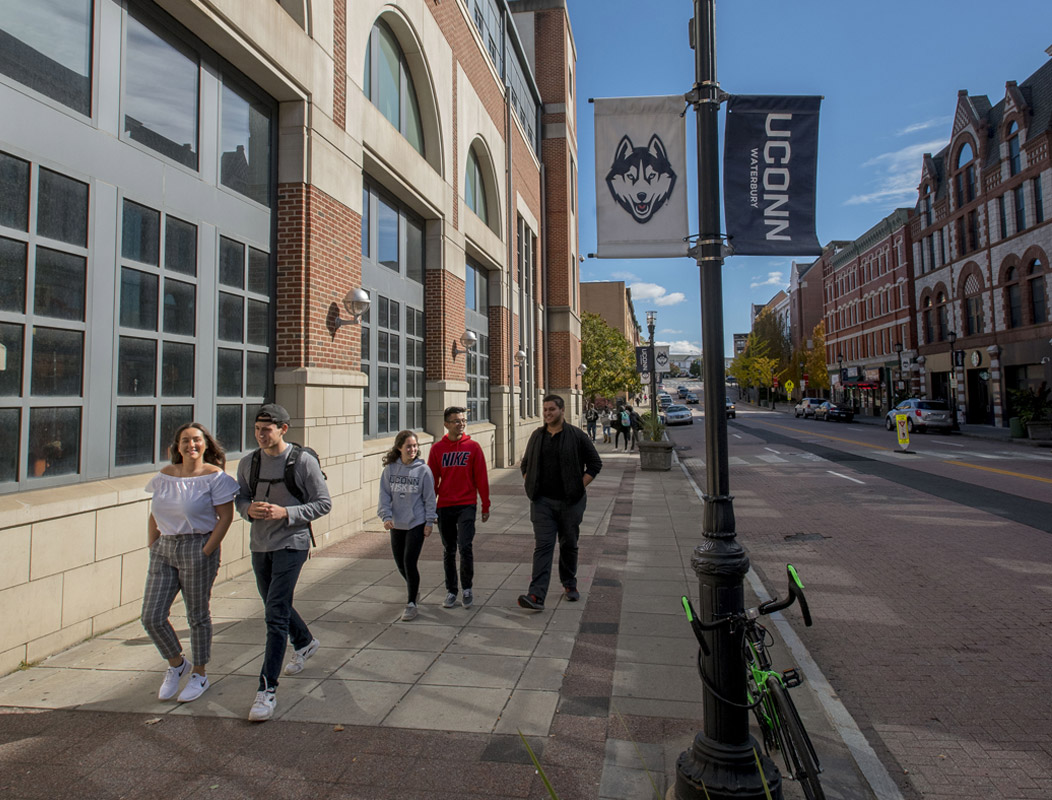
x,y
191,511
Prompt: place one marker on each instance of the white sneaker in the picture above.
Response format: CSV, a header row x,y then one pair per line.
x,y
295,666
410,612
194,688
469,598
170,686
450,601
263,708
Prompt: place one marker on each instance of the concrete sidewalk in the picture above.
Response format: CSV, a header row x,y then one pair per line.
x,y
605,690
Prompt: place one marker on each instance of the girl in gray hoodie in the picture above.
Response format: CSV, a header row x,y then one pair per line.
x,y
407,508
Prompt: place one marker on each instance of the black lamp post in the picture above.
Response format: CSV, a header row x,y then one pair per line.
x,y
951,337
651,319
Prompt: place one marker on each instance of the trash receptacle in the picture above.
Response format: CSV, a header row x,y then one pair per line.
x,y
1015,428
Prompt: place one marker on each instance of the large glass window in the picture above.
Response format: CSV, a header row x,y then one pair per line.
x,y
965,179
475,188
526,268
477,364
1014,158
1037,289
160,91
46,45
244,142
389,85
1039,202
973,306
1013,299
1020,209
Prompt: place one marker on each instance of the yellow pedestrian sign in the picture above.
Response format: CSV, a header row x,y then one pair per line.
x,y
789,386
903,428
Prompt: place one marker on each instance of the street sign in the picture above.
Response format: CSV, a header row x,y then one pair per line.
x,y
775,381
643,359
903,430
789,385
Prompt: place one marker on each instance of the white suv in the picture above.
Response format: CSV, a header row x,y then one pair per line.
x,y
806,407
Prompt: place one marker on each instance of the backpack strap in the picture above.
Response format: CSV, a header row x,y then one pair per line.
x,y
253,473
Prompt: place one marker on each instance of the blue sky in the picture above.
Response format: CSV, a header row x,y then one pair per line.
x,y
889,73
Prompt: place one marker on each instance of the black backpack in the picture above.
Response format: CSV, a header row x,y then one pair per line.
x,y
289,476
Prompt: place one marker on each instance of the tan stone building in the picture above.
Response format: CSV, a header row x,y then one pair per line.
x,y
612,300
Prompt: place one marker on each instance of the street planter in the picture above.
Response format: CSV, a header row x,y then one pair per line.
x,y
655,456
1041,429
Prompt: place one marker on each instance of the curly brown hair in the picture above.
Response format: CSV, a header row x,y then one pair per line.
x,y
395,453
214,452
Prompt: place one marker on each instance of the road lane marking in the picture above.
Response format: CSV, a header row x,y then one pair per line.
x,y
772,450
826,436
773,459
845,477
951,444
1001,471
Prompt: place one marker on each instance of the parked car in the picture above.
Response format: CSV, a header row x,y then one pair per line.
x,y
730,409
922,415
664,400
681,391
692,398
806,407
837,412
678,415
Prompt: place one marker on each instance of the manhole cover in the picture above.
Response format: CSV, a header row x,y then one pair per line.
x,y
805,537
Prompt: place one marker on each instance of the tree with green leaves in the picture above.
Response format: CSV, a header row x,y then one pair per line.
x,y
696,368
610,357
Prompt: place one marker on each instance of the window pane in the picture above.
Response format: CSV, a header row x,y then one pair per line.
x,y
245,143
365,222
62,208
137,367
414,131
231,263
256,375
388,84
54,441
257,322
394,318
387,225
258,272
228,427
172,418
229,374
46,45
12,275
231,317
134,435
251,410
180,307
10,434
414,245
177,370
160,94
141,233
59,289
14,177
57,363
11,359
180,246
139,300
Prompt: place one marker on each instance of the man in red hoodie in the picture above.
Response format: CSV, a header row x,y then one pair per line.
x,y
459,467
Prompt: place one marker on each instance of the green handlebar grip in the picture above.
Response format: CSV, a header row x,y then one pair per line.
x,y
794,576
686,608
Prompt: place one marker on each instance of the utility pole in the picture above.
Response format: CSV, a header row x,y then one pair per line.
x,y
722,762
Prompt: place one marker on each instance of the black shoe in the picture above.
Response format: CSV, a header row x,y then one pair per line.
x,y
572,594
531,601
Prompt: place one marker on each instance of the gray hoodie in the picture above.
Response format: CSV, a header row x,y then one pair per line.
x,y
407,494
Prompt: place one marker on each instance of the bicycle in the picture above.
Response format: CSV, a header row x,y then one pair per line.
x,y
767,694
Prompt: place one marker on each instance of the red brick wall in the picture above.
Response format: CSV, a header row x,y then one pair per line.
x,y
319,260
444,295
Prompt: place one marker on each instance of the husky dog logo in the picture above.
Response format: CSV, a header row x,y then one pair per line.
x,y
641,178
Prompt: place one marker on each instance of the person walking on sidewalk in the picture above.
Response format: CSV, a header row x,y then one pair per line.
x,y
622,425
604,420
407,508
559,463
459,468
636,425
191,511
591,418
280,542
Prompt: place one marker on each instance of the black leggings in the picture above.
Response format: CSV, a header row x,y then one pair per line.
x,y
406,546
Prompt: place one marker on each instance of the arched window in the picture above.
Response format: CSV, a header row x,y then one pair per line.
x,y
475,187
1013,299
1036,287
925,208
943,315
389,86
1014,159
965,180
929,332
973,305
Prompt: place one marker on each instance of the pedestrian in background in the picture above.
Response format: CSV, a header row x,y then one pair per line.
x,y
191,511
605,420
622,425
636,424
591,418
407,508
559,463
458,466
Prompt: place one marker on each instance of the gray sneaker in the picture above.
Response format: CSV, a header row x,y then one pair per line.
x,y
263,708
450,601
410,612
295,665
469,598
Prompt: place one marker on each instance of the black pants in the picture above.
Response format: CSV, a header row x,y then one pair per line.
x,y
406,546
618,433
456,524
555,520
276,576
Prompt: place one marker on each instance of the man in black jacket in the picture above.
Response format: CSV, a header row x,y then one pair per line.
x,y
560,461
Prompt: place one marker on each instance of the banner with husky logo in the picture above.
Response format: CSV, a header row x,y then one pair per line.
x,y
640,177
770,168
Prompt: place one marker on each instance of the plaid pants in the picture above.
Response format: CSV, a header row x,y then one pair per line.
x,y
177,563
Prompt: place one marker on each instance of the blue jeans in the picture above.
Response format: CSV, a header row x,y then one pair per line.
x,y
276,576
456,525
555,520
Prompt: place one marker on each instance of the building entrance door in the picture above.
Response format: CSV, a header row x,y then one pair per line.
x,y
979,410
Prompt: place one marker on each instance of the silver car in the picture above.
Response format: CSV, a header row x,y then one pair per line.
x,y
806,407
921,415
678,415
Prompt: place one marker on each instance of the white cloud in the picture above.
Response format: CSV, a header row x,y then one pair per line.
x,y
682,347
916,127
669,332
624,276
658,295
900,174
772,279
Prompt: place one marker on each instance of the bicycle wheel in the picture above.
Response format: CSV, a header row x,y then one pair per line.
x,y
799,754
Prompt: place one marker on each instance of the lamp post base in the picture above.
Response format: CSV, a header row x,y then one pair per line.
x,y
724,772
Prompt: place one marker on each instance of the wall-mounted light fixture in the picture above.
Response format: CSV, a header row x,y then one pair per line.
x,y
355,303
520,357
582,369
468,339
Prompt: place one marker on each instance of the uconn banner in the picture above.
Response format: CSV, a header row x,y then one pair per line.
x,y
770,165
640,177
